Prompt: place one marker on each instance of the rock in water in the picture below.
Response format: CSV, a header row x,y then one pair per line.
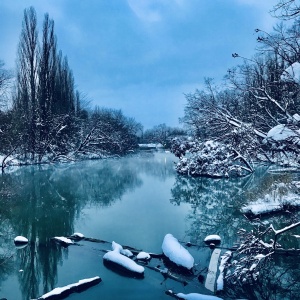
x,y
20,240
176,252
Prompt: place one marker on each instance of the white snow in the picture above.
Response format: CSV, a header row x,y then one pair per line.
x,y
124,261
63,240
195,296
292,73
269,204
212,270
259,256
143,255
220,280
151,145
116,247
59,290
285,228
126,252
176,252
281,132
212,238
20,239
78,235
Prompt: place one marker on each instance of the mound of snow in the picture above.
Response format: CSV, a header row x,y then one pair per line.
x,y
281,132
116,247
63,240
124,261
176,252
126,252
120,259
78,235
20,240
143,256
195,296
212,238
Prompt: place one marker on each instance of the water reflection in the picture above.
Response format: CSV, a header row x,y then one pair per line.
x,y
215,209
215,205
42,202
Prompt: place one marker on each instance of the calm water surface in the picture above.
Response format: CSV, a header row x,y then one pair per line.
x,y
133,201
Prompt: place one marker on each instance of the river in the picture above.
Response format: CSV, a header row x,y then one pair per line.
x,y
133,201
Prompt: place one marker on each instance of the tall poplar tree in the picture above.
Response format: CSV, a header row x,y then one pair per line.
x,y
27,80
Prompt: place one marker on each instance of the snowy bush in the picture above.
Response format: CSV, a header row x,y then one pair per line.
x,y
210,159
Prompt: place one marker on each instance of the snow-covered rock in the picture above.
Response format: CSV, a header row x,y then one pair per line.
x,y
78,235
20,240
143,256
126,252
60,292
212,238
125,262
176,252
63,240
116,247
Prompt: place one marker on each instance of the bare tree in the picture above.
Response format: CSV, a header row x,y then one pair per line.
x,y
5,83
286,9
27,79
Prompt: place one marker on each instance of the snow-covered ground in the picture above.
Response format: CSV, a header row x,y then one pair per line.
x,y
270,204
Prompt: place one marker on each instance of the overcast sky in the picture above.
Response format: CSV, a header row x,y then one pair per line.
x,y
141,56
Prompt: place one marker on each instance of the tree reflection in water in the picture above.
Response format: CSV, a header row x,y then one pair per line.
x,y
41,203
216,208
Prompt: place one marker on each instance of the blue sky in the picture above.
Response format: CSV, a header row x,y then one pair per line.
x,y
141,56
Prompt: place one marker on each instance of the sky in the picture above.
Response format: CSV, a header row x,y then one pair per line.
x,y
143,56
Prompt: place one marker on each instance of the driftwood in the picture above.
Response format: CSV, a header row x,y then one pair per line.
x,y
167,274
63,292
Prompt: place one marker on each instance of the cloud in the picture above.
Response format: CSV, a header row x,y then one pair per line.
x,y
154,11
145,10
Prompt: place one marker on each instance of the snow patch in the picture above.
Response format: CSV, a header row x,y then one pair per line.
x,y
212,238
143,256
78,235
20,239
63,240
224,260
116,257
195,296
68,289
176,252
124,261
281,132
292,73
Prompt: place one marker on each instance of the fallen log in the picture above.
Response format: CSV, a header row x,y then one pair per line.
x,y
191,296
167,274
63,292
